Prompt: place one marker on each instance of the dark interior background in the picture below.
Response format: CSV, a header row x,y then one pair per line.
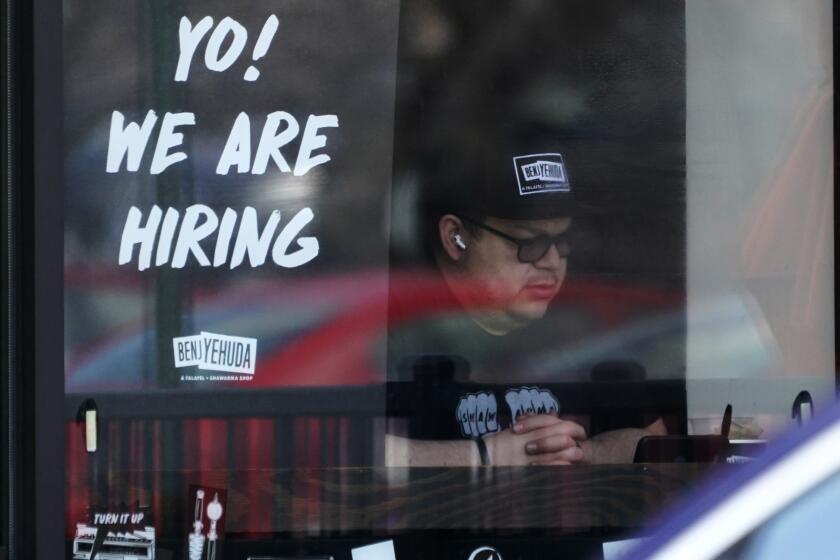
x,y
606,79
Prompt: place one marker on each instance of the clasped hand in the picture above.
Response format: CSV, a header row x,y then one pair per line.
x,y
541,439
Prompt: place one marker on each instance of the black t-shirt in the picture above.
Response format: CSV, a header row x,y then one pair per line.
x,y
459,381
445,409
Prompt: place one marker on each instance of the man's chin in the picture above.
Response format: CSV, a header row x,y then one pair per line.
x,y
501,322
529,311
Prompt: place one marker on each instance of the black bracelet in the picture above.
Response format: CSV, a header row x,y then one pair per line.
x,y
482,451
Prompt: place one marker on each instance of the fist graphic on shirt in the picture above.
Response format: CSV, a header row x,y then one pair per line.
x,y
478,414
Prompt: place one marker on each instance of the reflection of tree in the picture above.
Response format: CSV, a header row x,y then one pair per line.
x,y
571,64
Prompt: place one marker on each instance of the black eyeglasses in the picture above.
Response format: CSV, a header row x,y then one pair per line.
x,y
530,249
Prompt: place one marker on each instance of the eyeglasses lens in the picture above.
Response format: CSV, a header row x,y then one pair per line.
x,y
532,250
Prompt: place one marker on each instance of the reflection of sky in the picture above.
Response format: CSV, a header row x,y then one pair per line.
x,y
728,339
723,334
655,343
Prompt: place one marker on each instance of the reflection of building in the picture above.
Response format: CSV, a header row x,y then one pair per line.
x,y
134,545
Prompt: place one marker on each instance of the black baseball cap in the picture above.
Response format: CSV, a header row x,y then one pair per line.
x,y
516,180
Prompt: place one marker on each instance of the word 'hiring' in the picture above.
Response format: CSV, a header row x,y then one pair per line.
x,y
199,223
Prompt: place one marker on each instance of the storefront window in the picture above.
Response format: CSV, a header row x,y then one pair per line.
x,y
398,280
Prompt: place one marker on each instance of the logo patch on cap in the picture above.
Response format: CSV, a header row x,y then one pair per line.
x,y
541,173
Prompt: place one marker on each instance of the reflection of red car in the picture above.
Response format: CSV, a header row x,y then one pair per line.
x,y
350,348
327,331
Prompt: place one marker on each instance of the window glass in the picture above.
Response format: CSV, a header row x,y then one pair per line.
x,y
479,280
760,218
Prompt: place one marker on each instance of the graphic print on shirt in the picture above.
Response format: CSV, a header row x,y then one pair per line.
x,y
531,400
478,414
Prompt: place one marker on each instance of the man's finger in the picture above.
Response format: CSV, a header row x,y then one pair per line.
x,y
541,421
572,454
550,444
527,423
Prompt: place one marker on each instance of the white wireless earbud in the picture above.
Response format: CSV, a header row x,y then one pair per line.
x,y
459,242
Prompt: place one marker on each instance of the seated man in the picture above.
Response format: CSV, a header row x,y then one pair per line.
x,y
500,227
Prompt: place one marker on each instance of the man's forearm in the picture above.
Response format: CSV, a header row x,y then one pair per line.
x,y
404,452
619,446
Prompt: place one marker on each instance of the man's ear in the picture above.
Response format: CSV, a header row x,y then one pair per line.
x,y
450,226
